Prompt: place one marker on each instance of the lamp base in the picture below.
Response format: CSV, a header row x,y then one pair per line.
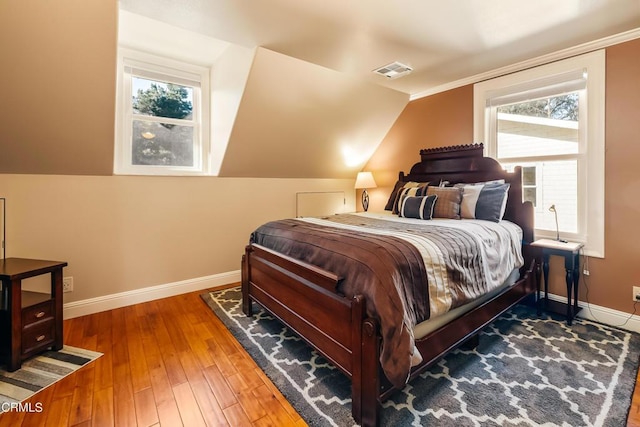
x,y
365,200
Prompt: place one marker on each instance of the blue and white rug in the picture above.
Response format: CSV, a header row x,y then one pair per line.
x,y
39,372
527,371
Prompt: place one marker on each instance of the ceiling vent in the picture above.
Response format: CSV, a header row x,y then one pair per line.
x,y
393,70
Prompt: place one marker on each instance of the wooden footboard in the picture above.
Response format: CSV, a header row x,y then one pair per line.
x,y
304,298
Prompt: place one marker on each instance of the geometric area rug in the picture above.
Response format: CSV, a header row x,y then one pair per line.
x,y
39,372
528,370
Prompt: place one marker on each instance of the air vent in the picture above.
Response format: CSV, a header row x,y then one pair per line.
x,y
393,70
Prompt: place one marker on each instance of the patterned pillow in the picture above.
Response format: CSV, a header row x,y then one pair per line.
x,y
448,203
420,207
485,201
409,189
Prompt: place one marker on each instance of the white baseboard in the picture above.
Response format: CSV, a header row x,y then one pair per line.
x,y
123,299
589,311
608,316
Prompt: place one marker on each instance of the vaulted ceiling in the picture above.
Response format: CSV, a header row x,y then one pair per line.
x,y
307,103
443,41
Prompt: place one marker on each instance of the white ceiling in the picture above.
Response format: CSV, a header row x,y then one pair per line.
x,y
444,41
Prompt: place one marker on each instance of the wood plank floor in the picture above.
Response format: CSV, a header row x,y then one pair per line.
x,y
169,362
634,412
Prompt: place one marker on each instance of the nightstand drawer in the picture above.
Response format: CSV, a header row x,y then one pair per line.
x,y
38,336
37,313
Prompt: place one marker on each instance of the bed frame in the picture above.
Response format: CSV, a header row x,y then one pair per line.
x,y
304,297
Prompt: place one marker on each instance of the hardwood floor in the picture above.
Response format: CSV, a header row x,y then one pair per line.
x,y
634,412
169,362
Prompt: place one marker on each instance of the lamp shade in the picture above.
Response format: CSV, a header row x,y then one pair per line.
x,y
365,180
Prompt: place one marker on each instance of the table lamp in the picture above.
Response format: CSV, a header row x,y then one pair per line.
x,y
552,208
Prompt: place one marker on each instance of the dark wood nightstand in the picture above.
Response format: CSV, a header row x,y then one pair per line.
x,y
30,322
570,251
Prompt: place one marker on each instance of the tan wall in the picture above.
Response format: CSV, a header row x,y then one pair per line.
x,y
124,233
447,119
434,121
611,278
58,84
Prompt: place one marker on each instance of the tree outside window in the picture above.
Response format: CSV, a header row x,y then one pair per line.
x,y
161,143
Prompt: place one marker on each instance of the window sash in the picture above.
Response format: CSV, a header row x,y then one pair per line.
x,y
581,225
165,71
131,116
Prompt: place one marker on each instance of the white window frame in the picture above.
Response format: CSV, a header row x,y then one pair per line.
x,y
140,64
591,176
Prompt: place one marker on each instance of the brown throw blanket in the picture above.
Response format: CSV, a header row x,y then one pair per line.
x,y
389,271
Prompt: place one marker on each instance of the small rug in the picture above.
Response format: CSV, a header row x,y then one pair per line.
x,y
39,372
528,370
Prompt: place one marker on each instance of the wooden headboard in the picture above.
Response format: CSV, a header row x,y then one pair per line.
x,y
466,163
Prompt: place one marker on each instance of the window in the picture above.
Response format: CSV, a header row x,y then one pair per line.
x,y
550,121
162,118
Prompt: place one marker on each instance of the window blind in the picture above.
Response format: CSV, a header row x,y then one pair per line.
x,y
542,88
184,79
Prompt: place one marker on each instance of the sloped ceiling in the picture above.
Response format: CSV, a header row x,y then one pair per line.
x,y
298,119
310,105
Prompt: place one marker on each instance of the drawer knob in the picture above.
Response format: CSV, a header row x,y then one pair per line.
x,y
40,314
40,338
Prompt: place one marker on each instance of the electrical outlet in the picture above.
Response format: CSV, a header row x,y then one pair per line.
x,y
67,284
636,293
585,272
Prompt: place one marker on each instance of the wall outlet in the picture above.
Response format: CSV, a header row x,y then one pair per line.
x,y
636,293
67,284
585,272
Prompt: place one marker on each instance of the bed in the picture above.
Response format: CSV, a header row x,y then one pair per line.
x,y
352,285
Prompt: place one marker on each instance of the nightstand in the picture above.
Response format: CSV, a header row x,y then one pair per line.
x,y
570,251
30,322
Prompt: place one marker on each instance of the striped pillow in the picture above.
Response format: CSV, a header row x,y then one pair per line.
x,y
410,189
448,202
420,207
